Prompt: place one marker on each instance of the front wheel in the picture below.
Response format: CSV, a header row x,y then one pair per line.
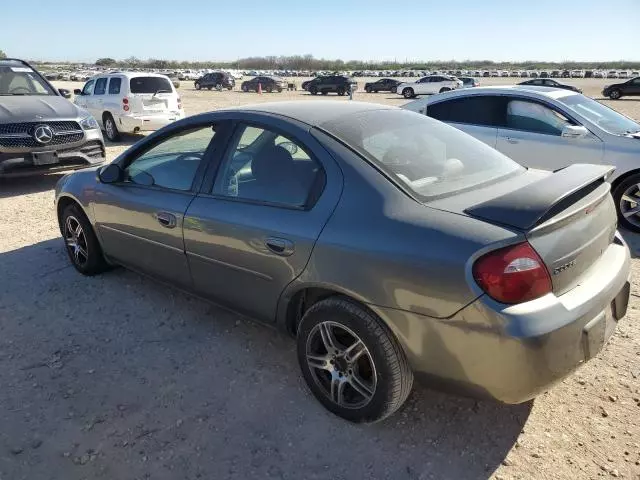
x,y
110,128
197,85
81,243
351,362
367,89
245,88
341,91
627,199
408,93
313,90
615,94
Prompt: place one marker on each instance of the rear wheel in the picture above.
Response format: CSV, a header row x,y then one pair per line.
x,y
245,88
408,93
340,91
269,89
615,94
627,198
367,89
110,128
81,243
209,87
197,85
324,91
351,362
313,90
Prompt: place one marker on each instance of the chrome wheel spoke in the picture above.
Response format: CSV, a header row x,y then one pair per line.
x,y
328,339
628,198
70,242
78,230
337,390
360,386
355,351
82,252
321,362
632,211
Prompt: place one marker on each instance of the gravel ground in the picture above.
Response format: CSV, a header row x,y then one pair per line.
x,y
119,377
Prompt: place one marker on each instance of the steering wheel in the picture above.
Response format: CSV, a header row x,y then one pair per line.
x,y
13,90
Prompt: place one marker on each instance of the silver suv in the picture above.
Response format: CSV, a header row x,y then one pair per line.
x,y
40,130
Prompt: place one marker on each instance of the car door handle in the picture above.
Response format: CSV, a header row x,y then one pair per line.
x,y
279,246
512,141
166,219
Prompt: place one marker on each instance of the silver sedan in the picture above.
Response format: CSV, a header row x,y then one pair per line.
x,y
388,244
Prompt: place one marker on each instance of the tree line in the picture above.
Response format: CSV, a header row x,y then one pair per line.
x,y
309,62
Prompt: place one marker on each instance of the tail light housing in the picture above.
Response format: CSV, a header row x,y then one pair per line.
x,y
513,274
179,103
125,104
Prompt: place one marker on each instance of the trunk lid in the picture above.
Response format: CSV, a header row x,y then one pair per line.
x,y
568,216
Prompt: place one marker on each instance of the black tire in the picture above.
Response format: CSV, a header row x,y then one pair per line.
x,y
341,91
229,88
245,88
110,128
408,93
269,89
444,89
313,90
615,94
324,91
367,89
393,375
375,91
618,191
279,90
209,87
197,85
393,90
93,262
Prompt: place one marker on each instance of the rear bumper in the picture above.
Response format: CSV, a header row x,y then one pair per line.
x,y
513,353
83,154
143,123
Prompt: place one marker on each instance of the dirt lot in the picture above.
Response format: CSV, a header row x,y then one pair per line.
x,y
119,377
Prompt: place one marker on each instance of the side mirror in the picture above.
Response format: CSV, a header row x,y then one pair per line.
x,y
111,173
574,131
77,91
64,92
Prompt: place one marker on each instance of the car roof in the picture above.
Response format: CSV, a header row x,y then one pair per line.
x,y
12,62
526,90
130,74
313,113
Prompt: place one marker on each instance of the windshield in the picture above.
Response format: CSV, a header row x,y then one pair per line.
x,y
22,80
149,84
607,119
427,156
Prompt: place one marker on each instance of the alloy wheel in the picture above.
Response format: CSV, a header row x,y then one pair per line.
x,y
110,128
76,241
630,205
341,365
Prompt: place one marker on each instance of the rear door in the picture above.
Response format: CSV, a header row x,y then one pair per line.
x,y
250,232
95,102
140,219
532,136
477,115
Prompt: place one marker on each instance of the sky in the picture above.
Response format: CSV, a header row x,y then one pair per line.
x,y
373,30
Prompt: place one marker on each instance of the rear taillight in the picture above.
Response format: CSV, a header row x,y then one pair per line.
x,y
512,274
125,104
179,104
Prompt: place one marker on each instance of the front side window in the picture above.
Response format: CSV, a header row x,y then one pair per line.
x,y
534,117
114,86
428,157
21,81
480,110
88,87
265,166
101,86
173,162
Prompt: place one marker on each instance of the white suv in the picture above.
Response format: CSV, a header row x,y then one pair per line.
x,y
429,85
130,102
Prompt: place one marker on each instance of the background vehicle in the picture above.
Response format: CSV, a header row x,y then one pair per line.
x,y
382,85
130,102
624,89
215,80
339,84
549,129
428,85
268,84
281,192
547,82
40,130
469,82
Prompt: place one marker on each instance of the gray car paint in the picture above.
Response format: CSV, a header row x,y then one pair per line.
x,y
407,261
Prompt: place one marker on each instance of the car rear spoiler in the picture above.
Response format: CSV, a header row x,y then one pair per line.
x,y
535,203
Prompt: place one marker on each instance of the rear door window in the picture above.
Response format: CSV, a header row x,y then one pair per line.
x,y
101,86
114,85
149,85
488,111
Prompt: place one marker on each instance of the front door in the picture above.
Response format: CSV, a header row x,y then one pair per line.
x,y
83,100
140,219
95,102
252,233
532,136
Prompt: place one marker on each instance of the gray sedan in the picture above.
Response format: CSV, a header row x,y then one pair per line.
x,y
390,245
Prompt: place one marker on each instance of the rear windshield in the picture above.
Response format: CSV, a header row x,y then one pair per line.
x,y
149,85
21,80
427,156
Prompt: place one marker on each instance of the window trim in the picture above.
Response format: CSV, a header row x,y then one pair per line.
x,y
237,130
125,161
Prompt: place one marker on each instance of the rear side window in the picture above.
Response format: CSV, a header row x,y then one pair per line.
x,y
114,86
475,110
149,85
101,86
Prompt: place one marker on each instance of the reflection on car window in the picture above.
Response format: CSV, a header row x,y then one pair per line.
x,y
101,86
267,167
21,81
173,163
88,87
534,117
114,86
604,117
